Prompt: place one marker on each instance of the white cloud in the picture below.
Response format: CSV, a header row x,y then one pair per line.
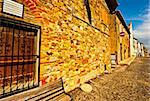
x,y
142,32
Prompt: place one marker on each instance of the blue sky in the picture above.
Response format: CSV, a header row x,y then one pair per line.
x,y
137,11
133,10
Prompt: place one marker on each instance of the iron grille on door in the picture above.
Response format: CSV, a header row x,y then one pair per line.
x,y
19,56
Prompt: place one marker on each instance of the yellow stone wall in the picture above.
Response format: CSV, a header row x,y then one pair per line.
x,y
115,28
126,47
118,38
122,40
70,48
113,34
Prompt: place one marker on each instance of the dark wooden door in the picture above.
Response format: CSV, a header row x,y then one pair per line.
x,y
121,52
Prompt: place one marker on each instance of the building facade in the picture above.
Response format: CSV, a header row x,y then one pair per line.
x,y
142,49
146,53
130,26
120,38
139,52
75,39
114,34
135,42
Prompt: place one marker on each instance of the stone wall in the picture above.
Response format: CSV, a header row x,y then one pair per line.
x,y
124,40
70,47
113,34
116,27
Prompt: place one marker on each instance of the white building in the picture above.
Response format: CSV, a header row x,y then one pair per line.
x,y
135,46
132,50
139,49
142,49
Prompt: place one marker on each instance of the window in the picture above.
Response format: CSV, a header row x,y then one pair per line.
x,y
19,56
86,3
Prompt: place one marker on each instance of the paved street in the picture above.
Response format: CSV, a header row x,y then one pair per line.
x,y
124,84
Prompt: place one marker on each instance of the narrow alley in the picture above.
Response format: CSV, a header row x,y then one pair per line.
x,y
80,50
130,84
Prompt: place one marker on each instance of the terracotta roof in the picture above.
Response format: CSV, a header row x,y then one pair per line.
x,y
135,38
142,43
112,5
120,16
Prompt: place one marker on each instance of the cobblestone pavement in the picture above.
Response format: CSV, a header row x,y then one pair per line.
x,y
124,84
